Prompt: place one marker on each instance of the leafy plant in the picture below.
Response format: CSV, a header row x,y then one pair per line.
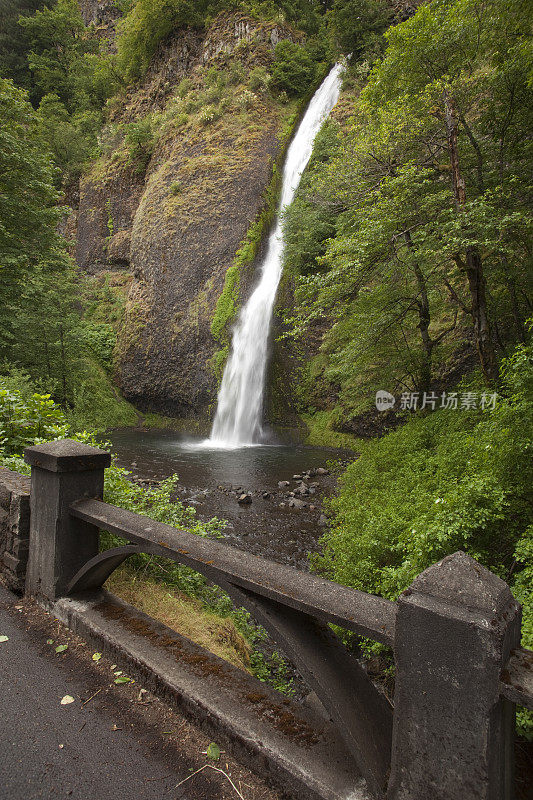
x,y
23,422
140,141
293,69
259,79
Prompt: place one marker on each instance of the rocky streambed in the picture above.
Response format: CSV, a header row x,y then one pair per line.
x,y
271,496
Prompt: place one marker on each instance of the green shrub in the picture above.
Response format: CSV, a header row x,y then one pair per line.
x,y
236,73
24,421
184,87
293,70
259,79
99,339
245,99
96,403
209,115
191,104
140,141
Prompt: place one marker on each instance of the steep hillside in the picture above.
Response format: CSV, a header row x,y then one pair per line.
x,y
188,159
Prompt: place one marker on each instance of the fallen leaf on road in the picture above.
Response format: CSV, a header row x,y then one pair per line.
x,y
49,641
4,638
119,672
213,751
122,679
97,656
61,648
66,700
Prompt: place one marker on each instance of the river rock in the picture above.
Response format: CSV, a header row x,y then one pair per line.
x,y
295,503
322,471
245,499
297,477
266,495
283,484
322,520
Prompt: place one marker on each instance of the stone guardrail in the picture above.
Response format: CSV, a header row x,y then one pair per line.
x,y
455,633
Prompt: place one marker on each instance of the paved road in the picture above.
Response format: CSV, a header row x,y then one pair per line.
x,y
108,749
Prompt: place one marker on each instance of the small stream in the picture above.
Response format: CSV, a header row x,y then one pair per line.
x,y
212,480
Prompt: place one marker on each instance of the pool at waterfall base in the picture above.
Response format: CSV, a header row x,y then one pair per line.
x,y
212,479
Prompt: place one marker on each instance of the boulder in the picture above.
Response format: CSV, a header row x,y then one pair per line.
x,y
245,499
295,503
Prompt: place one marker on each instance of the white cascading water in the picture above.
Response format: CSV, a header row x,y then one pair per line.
x,y
240,400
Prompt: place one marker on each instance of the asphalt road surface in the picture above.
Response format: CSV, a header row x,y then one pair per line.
x,y
117,744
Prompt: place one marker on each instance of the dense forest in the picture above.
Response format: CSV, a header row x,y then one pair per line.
x,y
408,265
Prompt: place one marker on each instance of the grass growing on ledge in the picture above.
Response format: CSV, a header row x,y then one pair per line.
x,y
184,614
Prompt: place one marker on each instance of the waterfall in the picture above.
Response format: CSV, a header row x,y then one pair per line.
x,y
240,400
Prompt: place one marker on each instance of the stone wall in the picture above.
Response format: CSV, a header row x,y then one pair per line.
x,y
14,527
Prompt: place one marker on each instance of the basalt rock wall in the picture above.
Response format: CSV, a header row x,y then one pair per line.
x,y
174,209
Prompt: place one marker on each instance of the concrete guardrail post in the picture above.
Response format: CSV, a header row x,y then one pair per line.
x,y
61,472
453,733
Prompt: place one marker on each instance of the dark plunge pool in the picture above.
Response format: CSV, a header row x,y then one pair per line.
x,y
212,480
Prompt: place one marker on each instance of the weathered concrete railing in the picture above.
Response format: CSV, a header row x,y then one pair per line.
x,y
455,634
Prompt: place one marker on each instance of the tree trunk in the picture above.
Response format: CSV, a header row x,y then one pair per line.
x,y
63,365
424,319
474,264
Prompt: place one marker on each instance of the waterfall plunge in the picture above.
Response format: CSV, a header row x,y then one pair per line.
x,y
240,400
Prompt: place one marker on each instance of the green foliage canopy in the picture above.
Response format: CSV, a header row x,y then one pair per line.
x,y
357,26
393,277
293,70
29,214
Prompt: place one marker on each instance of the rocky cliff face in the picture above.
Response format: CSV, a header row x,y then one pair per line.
x,y
187,159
